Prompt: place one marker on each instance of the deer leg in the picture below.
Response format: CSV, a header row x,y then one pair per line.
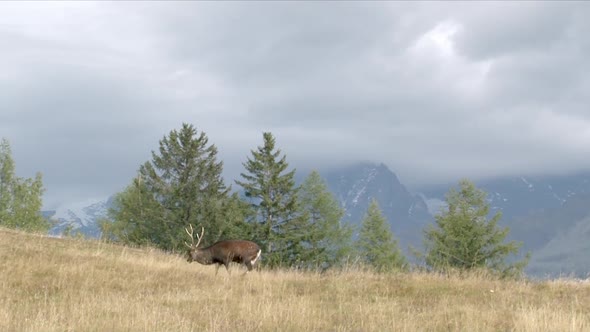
x,y
227,268
249,266
216,269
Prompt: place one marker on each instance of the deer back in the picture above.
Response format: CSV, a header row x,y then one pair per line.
x,y
233,250
222,252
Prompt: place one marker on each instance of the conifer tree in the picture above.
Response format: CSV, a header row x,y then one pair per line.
x,y
327,240
376,245
20,198
182,185
271,191
137,216
465,238
7,181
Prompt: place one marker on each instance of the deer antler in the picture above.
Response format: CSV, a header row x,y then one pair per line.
x,y
191,236
199,238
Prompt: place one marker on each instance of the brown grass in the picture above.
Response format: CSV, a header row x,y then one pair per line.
x,y
50,284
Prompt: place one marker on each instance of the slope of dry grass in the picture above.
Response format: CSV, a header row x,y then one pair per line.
x,y
50,284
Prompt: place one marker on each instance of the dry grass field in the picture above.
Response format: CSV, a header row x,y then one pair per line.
x,y
50,284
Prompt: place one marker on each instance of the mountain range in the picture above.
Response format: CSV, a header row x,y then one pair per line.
x,y
79,218
549,215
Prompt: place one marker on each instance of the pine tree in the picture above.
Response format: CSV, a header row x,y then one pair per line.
x,y
236,211
20,198
327,240
465,238
27,204
7,182
137,216
272,194
182,185
376,245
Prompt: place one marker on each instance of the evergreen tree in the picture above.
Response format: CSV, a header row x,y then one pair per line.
x,y
182,185
137,216
20,198
272,194
7,182
327,241
465,238
27,204
236,211
376,245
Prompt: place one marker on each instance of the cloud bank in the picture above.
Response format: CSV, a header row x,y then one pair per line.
x,y
437,91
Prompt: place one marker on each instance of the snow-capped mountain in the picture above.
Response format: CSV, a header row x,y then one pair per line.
x,y
356,185
79,218
522,195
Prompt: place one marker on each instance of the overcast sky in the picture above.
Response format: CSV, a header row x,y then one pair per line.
x,y
436,91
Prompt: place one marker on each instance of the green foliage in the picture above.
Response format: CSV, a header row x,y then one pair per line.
x,y
376,245
20,198
236,212
138,217
182,185
464,238
272,195
327,241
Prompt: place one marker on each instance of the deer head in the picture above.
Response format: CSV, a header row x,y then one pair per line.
x,y
193,248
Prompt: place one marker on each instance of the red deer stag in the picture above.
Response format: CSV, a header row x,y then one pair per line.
x,y
223,252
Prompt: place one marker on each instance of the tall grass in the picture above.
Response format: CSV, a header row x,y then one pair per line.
x,y
50,284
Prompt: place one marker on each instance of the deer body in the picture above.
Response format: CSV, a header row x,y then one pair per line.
x,y
224,252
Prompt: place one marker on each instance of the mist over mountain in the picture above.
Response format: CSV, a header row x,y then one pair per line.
x,y
523,195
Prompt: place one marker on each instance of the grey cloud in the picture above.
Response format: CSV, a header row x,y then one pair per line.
x,y
505,28
276,42
80,129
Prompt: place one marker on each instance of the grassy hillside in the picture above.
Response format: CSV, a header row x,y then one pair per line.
x,y
50,284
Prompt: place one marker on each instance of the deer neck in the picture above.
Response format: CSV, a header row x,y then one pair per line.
x,y
203,256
